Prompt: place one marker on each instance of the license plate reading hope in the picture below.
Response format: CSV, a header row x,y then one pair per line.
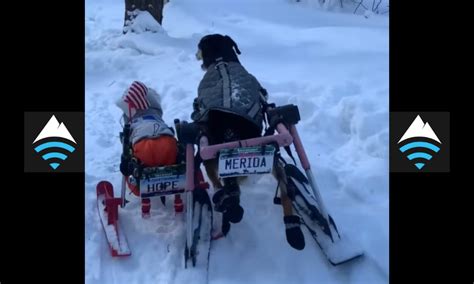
x,y
163,182
246,161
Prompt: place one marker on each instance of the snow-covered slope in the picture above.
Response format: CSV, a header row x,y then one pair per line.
x,y
334,66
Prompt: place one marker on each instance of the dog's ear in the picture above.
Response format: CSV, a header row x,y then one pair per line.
x,y
233,44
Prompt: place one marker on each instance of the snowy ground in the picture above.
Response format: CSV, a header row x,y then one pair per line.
x,y
334,66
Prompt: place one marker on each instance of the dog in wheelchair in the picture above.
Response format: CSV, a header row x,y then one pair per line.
x,y
229,107
151,141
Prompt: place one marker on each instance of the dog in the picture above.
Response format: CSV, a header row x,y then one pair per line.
x,y
229,107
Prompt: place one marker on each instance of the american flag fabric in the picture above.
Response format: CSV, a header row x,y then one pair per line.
x,y
136,96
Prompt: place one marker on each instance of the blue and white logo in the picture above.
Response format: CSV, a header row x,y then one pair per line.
x,y
55,150
419,143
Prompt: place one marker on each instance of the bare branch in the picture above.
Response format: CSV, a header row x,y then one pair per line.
x,y
378,4
360,4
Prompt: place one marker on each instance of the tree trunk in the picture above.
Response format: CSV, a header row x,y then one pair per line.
x,y
154,7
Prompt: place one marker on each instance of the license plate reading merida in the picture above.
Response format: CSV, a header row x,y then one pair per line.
x,y
246,161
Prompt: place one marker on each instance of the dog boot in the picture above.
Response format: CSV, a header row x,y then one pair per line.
x,y
294,235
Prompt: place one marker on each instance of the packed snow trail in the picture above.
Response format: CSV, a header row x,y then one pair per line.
x,y
334,66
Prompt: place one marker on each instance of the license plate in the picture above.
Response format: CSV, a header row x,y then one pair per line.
x,y
246,161
161,181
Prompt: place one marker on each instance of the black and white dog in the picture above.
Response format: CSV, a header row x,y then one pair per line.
x,y
229,108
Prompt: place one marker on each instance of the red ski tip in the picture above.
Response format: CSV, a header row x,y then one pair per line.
x,y
105,187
